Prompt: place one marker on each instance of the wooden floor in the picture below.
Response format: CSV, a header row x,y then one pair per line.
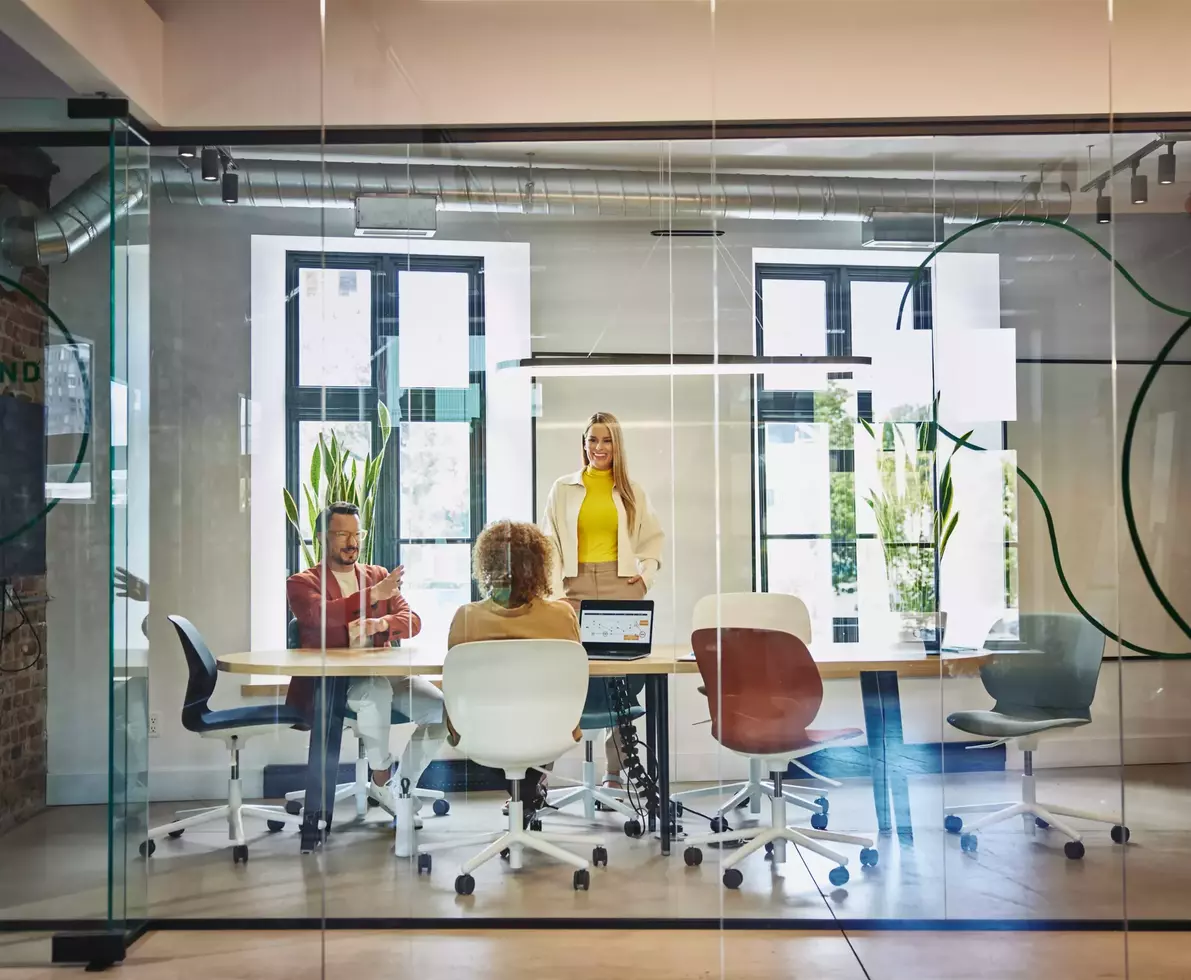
x,y
60,860
656,955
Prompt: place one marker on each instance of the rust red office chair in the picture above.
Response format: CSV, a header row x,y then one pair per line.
x,y
764,691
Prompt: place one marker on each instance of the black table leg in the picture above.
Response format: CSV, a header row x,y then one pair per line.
x,y
322,760
883,724
663,754
652,700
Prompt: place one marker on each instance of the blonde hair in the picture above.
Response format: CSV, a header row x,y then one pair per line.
x,y
620,467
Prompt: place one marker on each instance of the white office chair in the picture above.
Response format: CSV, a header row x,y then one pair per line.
x,y
737,609
514,704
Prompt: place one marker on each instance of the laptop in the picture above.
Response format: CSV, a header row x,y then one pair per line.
x,y
616,629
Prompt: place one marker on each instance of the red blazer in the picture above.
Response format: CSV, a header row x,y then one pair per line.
x,y
306,602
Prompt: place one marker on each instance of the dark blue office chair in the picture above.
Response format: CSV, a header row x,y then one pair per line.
x,y
232,726
358,788
599,714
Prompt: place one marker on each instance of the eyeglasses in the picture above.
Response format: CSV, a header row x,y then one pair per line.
x,y
340,536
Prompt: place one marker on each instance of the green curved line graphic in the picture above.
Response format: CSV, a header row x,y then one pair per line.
x,y
1126,446
86,439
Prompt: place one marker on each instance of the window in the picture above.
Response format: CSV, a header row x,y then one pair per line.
x,y
815,463
407,330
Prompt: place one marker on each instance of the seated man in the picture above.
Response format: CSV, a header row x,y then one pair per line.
x,y
511,565
363,606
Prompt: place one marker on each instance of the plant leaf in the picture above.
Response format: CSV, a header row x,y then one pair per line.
x,y
386,423
316,469
311,511
868,428
291,508
947,534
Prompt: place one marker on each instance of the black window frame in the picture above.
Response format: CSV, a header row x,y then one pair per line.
x,y
799,406
315,403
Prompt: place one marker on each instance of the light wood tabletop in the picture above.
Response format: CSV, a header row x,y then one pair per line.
x,y
835,660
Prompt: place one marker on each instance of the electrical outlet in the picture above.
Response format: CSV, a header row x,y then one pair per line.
x,y
154,731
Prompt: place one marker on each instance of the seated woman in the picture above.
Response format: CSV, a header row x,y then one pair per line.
x,y
511,565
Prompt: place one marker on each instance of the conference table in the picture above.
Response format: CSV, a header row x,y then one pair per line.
x,y
877,667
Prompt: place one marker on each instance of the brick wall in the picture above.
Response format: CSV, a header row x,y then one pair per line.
x,y
25,173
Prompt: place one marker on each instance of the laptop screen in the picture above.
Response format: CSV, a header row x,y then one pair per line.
x,y
616,624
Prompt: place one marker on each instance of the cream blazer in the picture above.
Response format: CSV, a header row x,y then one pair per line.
x,y
638,549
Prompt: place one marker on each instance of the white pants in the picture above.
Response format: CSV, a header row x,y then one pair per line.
x,y
374,699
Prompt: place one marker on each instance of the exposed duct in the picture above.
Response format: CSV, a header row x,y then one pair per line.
x,y
72,224
620,194
81,217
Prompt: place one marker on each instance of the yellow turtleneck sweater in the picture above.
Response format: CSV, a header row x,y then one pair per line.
x,y
598,520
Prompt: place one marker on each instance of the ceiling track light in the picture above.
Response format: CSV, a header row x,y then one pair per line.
x,y
1166,165
231,187
1103,206
187,152
1139,187
210,163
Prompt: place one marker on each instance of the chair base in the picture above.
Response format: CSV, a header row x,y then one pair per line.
x,y
515,841
358,790
777,836
755,788
232,811
587,791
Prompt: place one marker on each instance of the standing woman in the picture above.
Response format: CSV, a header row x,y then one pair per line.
x,y
607,538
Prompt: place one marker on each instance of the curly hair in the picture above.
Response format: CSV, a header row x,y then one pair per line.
x,y
516,556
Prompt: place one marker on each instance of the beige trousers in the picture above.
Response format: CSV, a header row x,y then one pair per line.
x,y
600,581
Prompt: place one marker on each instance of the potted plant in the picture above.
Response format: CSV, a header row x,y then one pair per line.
x,y
337,474
915,521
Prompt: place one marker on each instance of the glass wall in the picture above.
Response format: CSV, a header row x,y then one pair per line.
x,y
74,342
894,479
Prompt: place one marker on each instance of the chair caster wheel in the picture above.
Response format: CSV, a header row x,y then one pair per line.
x,y
293,807
424,864
1073,849
441,808
240,854
147,848
869,857
1040,823
823,804
633,828
733,878
968,842
582,880
742,804
535,824
275,826
720,825
175,834
693,857
599,857
838,876
953,824
819,821
1120,834
504,854
465,885
768,850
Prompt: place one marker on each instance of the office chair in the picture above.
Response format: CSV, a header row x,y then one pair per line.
x,y
233,726
729,609
358,788
514,704
1043,683
598,716
764,689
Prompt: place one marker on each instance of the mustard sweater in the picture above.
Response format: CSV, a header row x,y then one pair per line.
x,y
598,521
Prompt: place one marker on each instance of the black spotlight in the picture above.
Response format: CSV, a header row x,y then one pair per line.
x,y
1139,187
1166,165
187,152
1103,206
231,187
210,163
